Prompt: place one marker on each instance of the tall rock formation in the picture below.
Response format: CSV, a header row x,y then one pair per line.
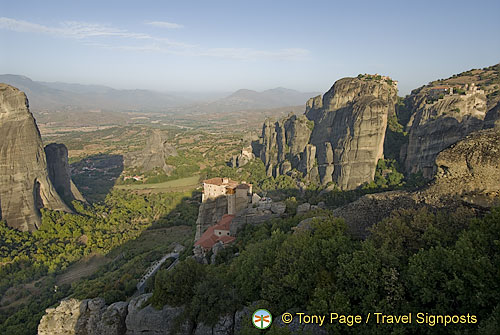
x,y
243,158
440,117
25,186
154,154
59,172
339,138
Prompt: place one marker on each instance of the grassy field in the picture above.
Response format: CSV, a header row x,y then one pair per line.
x,y
178,185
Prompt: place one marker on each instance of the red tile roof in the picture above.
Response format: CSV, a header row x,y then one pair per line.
x,y
227,239
220,181
208,239
224,223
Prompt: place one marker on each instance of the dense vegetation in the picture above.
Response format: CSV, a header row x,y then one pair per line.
x,y
31,262
415,261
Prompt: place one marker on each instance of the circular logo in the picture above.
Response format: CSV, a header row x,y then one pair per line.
x,y
262,319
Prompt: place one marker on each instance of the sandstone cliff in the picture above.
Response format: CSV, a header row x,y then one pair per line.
x,y
339,138
154,154
242,158
438,122
59,172
467,175
209,213
25,186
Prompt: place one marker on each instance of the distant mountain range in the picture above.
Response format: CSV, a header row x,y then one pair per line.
x,y
66,96
276,97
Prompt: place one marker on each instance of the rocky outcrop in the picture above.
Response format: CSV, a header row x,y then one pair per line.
x,y
469,171
438,122
209,213
243,158
154,154
94,317
349,129
87,317
149,321
283,143
339,138
25,186
492,118
467,175
59,172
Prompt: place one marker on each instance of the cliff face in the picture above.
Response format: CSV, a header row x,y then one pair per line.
x,y
59,172
340,137
492,118
243,158
94,317
154,154
25,186
467,175
283,144
209,213
470,170
436,123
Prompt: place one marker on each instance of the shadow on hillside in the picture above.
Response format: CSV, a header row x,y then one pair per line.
x,y
96,175
116,280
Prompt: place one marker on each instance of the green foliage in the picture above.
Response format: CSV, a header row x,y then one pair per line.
x,y
414,261
395,136
310,125
64,238
386,175
205,292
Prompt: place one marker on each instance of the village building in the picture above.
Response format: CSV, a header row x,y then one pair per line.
x,y
438,90
217,233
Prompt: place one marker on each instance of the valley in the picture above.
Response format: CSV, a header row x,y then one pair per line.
x,y
358,184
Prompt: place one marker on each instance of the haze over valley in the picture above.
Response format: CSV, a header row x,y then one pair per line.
x,y
249,167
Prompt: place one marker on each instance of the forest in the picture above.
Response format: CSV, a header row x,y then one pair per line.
x,y
416,261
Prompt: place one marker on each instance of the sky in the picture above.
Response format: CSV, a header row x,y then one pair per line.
x,y
227,45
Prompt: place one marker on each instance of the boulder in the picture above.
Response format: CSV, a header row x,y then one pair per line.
x,y
61,320
278,208
142,320
303,208
87,317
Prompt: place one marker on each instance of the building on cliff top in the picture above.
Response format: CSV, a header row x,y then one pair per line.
x,y
217,233
239,195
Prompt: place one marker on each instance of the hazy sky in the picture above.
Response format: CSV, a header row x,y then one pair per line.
x,y
227,45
